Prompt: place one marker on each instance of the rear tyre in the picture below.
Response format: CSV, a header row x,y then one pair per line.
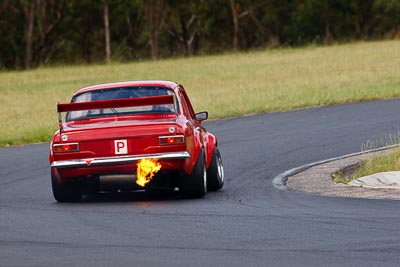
x,y
195,184
67,191
215,173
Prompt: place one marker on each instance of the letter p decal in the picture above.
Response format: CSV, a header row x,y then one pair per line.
x,y
121,147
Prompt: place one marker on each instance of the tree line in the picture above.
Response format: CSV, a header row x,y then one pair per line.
x,y
39,32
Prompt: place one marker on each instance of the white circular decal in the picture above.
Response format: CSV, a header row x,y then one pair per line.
x,y
64,137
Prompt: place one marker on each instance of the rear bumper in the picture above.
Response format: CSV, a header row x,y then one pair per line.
x,y
79,163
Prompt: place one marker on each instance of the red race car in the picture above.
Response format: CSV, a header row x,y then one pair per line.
x,y
131,136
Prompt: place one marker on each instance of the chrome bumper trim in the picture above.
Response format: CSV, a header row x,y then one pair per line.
x,y
76,163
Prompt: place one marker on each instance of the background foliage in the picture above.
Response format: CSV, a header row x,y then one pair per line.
x,y
40,32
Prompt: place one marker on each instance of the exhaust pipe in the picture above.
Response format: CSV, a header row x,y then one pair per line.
x,y
118,182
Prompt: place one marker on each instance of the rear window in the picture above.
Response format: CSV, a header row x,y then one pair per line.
x,y
121,93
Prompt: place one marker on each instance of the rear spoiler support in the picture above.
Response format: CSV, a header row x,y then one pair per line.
x,y
59,118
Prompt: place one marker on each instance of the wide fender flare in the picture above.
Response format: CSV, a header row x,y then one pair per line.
x,y
212,142
54,171
198,143
51,154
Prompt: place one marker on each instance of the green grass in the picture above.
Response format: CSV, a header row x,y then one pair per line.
x,y
377,164
225,85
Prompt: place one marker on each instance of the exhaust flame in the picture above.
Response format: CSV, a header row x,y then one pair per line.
x,y
146,168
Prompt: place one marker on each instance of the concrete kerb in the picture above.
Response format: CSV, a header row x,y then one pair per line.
x,y
280,180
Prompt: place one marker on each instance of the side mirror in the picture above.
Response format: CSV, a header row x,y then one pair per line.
x,y
202,116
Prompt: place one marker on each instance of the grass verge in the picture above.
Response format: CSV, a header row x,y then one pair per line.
x,y
377,164
225,85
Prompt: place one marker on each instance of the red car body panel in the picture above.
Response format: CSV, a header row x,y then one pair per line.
x,y
97,140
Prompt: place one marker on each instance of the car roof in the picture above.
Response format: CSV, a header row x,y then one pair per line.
x,y
167,84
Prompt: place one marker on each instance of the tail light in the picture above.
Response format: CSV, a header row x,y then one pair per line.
x,y
70,147
171,140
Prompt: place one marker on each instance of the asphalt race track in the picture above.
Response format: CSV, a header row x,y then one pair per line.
x,y
248,223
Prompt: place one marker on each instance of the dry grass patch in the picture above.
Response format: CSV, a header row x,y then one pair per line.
x,y
225,85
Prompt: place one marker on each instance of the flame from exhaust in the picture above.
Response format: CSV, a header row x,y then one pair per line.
x,y
146,168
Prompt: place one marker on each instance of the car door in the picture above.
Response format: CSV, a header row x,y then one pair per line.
x,y
194,127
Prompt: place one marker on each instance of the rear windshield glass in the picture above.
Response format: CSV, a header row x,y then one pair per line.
x,y
120,93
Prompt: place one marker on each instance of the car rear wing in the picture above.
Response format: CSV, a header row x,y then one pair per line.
x,y
115,103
